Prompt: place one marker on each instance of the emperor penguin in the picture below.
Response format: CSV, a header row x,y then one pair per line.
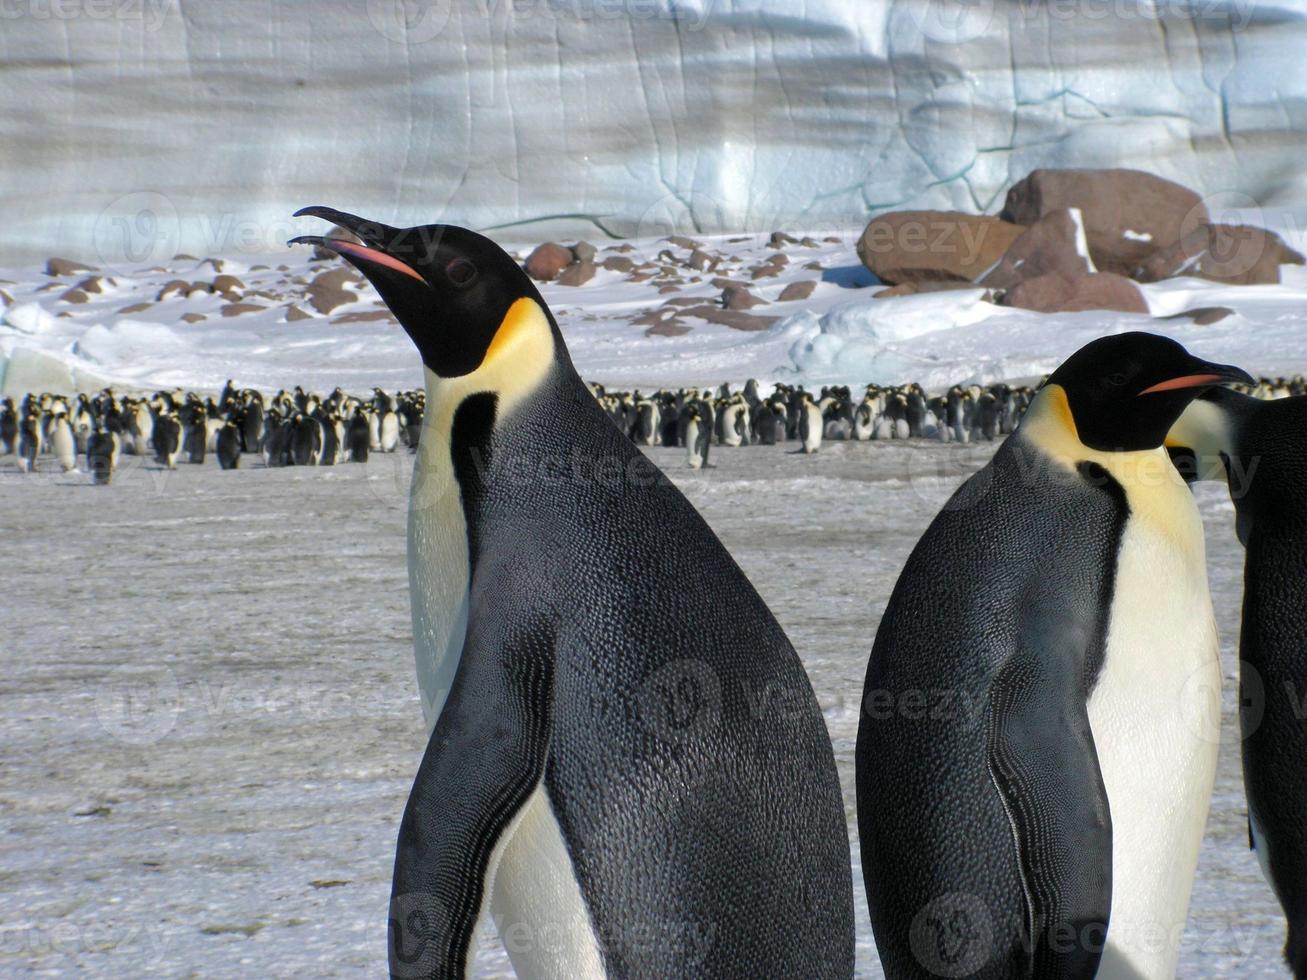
x,y
811,425
1260,449
698,437
605,768
1034,758
63,443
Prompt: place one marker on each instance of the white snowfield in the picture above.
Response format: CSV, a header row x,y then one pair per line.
x,y
840,334
156,126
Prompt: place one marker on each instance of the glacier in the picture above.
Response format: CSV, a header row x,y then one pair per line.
x,y
140,128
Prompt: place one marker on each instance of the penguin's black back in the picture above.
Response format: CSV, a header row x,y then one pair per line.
x,y
688,762
1017,542
1269,487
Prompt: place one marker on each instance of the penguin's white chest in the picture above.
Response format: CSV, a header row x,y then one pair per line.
x,y
438,570
1155,716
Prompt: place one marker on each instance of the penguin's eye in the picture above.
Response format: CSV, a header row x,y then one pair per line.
x,y
1116,380
461,272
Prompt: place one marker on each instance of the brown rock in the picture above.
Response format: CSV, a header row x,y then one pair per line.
x,y
767,270
780,239
800,289
194,317
199,287
227,284
1128,214
74,296
1048,245
735,319
916,288
807,242
183,257
670,327
669,288
340,278
137,308
833,240
546,261
294,314
623,247
1052,293
813,266
925,246
700,261
902,289
618,263
676,301
1241,255
584,252
92,284
739,298
681,241
240,309
576,274
178,286
65,267
325,299
721,282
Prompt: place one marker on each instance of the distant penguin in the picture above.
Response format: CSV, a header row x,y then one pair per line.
x,y
276,440
252,427
29,441
8,427
142,430
648,423
63,444
766,425
229,446
1029,775
388,432
305,441
330,445
167,439
698,438
195,433
358,439
101,455
1260,449
811,425
374,432
599,769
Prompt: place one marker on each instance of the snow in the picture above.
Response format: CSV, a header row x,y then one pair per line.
x,y
840,334
139,138
211,722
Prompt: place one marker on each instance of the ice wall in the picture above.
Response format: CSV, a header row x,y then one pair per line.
x,y
130,129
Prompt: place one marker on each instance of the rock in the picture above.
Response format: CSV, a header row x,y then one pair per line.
x,y
1128,214
584,252
739,298
933,246
183,257
295,314
700,261
240,309
807,242
833,240
780,239
1240,255
74,295
134,308
1051,244
735,319
902,289
546,261
194,317
178,286
680,241
917,288
778,258
65,267
227,284
341,278
623,247
813,266
92,284
1052,293
721,282
801,289
214,264
670,327
767,270
576,274
1202,316
618,263
204,288
669,288
325,299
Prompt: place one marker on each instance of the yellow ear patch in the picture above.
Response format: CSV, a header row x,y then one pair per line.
x,y
518,322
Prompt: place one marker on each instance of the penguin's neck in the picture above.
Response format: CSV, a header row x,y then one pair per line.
x,y
1154,489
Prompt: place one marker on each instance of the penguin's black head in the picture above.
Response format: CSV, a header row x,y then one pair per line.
x,y
1127,390
449,287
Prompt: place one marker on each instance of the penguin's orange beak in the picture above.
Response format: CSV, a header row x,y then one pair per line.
x,y
364,253
371,247
1208,375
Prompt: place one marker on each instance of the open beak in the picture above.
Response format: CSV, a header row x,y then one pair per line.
x,y
1206,376
373,235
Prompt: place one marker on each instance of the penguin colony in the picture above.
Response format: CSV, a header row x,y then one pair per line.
x,y
294,428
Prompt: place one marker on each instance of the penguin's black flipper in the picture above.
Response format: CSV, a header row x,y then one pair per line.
x,y
1043,762
484,759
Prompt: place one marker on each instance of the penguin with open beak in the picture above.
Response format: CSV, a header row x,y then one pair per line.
x,y
627,768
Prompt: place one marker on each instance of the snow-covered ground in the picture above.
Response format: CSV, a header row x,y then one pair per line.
x,y
211,724
840,334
